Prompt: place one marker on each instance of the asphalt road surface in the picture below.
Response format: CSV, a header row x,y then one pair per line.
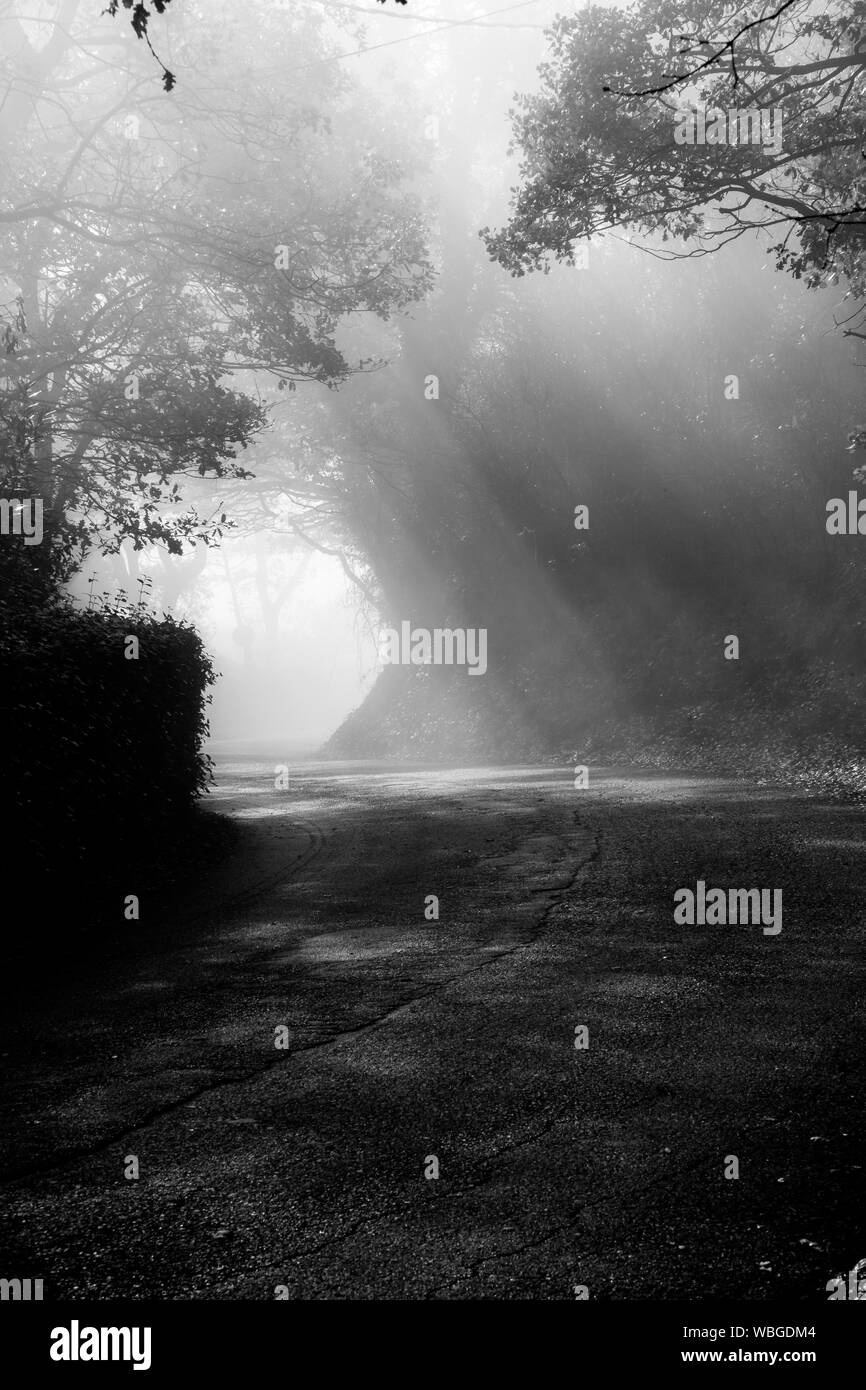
x,y
304,1168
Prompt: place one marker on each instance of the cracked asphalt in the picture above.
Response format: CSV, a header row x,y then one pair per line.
x,y
302,1169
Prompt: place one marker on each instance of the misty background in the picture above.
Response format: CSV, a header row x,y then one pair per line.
x,y
337,980
379,140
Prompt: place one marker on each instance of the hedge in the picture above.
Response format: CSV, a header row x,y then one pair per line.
x,y
100,747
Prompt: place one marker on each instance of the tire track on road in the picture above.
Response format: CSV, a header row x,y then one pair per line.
x,y
73,1155
317,841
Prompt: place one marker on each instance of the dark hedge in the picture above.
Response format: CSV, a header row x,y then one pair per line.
x,y
100,750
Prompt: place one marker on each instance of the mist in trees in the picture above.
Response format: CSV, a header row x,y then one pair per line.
x,y
263,351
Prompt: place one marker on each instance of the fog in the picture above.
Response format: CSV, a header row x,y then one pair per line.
x,y
425,462
431,668
288,686
290,678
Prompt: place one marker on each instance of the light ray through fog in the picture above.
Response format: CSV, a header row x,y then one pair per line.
x,y
432,545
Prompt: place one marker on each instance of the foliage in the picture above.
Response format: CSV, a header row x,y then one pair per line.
x,y
98,745
143,306
140,22
598,139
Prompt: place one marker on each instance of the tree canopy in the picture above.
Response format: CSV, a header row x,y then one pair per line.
x,y
160,257
599,147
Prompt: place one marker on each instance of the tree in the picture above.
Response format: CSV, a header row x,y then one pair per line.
x,y
161,256
600,149
140,18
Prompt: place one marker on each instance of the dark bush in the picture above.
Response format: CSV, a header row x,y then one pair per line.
x,y
101,750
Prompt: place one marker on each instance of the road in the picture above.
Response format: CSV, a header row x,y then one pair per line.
x,y
301,1169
